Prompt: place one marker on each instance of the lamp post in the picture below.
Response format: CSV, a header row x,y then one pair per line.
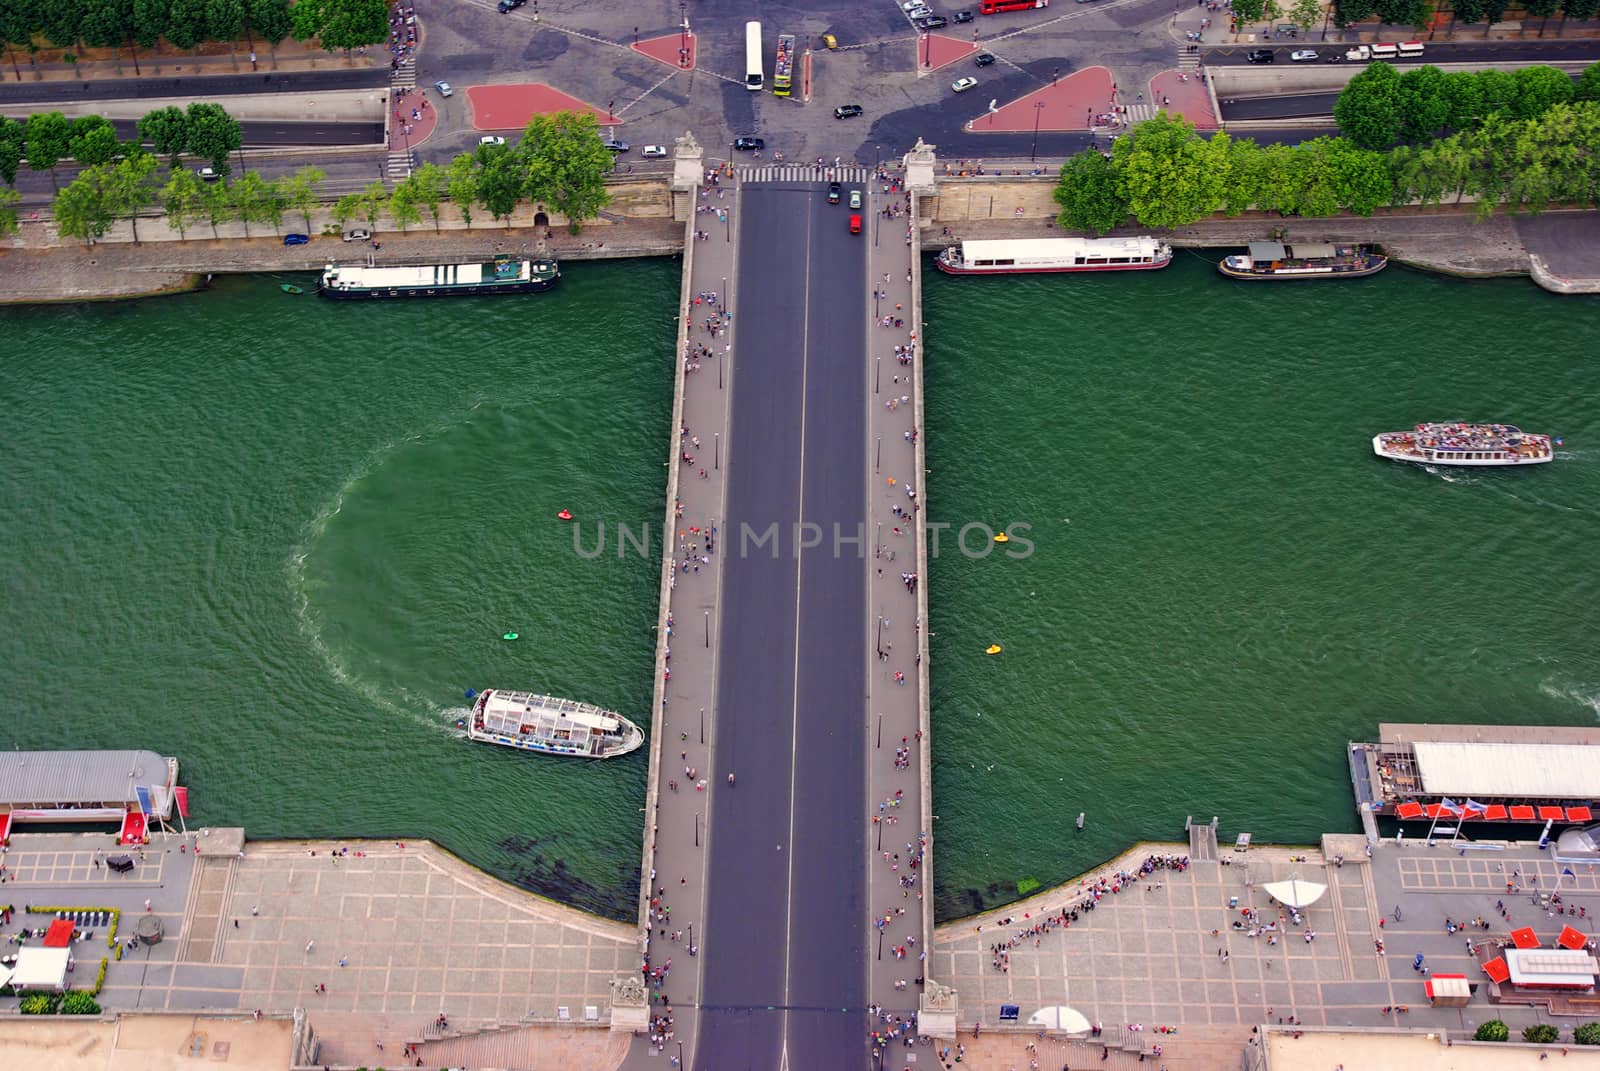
x,y
1054,74
927,50
683,33
1038,110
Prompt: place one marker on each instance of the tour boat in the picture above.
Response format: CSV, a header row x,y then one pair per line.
x,y
552,726
504,275
1013,255
1457,443
1303,260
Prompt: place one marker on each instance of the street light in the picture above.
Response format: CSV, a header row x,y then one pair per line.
x,y
927,50
1054,74
683,34
1038,110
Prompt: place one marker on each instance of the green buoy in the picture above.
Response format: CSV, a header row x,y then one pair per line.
x,y
509,636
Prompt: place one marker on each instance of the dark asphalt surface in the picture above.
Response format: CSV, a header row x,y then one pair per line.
x,y
1461,50
191,86
784,952
1284,106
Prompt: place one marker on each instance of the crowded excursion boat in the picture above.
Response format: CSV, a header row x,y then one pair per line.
x,y
1303,260
553,726
1457,443
1013,255
504,275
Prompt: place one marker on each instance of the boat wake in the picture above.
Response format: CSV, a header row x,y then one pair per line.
x,y
1573,693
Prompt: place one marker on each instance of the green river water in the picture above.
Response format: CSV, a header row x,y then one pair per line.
x,y
278,538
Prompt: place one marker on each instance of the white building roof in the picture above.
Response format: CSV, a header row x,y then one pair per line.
x,y
1517,771
40,968
1551,966
78,776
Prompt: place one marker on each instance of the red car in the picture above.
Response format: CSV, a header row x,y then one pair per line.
x,y
855,223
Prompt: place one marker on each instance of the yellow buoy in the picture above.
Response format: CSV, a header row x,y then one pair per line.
x,y
1001,537
994,648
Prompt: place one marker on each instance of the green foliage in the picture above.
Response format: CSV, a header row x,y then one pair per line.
x,y
1588,83
212,134
1404,12
149,21
1538,89
9,199
1541,1034
403,207
1346,12
37,1004
300,191
224,19
1541,10
249,195
167,130
1580,9
217,202
565,162
1247,11
1305,13
1463,95
186,23
132,187
1468,12
1424,106
1587,1034
461,183
93,140
1171,175
348,208
47,134
80,1003
1493,1030
106,22
13,140
60,21
17,20
1090,194
1368,109
270,19
374,199
501,180
428,185
1493,12
86,207
340,24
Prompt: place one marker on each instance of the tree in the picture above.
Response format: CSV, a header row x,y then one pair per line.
x,y
1588,83
1493,12
18,18
13,142
403,205
565,162
1358,178
8,211
150,21
183,200
131,187
249,193
186,23
428,185
1467,12
461,182
1404,12
274,202
1305,13
1171,175
300,191
1249,177
1578,9
167,130
1463,95
1541,1033
270,19
501,181
47,137
350,24
1090,194
224,19
348,208
1349,12
1538,89
217,203
1493,1030
1368,108
1248,11
106,23
374,199
1498,91
1587,1034
1541,10
1423,105
61,21
78,1002
83,208
93,140
213,134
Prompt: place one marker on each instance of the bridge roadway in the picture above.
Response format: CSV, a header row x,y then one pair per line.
x,y
784,952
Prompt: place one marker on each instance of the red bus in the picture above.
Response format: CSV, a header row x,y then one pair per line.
x,y
996,7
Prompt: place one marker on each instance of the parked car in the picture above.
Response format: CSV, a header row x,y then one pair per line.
x,y
653,152
296,239
1303,55
208,174
357,234
933,22
961,85
444,89
491,139
749,144
912,5
833,193
918,10
508,6
1261,55
855,198
855,224
963,16
983,59
616,146
847,111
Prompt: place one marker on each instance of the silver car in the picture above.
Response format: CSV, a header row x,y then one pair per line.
x,y
444,89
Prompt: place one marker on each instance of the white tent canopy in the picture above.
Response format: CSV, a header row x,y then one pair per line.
x,y
1296,892
1060,1017
41,968
5,977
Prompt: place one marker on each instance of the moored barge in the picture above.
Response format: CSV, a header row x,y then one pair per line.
x,y
1302,260
1026,255
503,275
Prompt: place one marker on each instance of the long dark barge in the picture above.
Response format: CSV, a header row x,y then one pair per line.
x,y
503,275
1302,260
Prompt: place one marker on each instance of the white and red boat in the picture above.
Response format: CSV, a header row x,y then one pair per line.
x,y
550,725
1460,443
1013,255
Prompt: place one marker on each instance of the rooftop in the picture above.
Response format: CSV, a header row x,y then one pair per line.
x,y
46,777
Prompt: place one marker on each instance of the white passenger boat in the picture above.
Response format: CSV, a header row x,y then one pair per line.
x,y
553,726
1458,443
1014,255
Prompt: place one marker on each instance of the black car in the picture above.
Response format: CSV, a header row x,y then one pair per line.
x,y
932,22
507,6
833,193
616,146
963,16
749,144
847,111
983,59
1261,55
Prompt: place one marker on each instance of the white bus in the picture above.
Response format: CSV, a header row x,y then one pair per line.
x,y
754,77
1409,49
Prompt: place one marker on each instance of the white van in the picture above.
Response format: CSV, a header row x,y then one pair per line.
x,y
1385,52
1410,49
1360,52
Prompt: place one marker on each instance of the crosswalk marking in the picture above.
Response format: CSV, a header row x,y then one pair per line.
x,y
1187,60
399,165
1138,113
803,173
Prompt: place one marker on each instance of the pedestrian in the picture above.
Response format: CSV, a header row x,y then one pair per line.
x,y
147,905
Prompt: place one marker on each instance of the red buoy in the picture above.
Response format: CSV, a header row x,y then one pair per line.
x,y
565,515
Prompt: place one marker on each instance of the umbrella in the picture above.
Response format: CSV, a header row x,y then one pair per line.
x,y
1060,1017
1296,892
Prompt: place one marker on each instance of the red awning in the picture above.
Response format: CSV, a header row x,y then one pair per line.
x,y
1522,813
1409,809
1437,810
59,935
1552,814
1525,938
181,794
1497,970
1579,814
1494,812
1573,939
